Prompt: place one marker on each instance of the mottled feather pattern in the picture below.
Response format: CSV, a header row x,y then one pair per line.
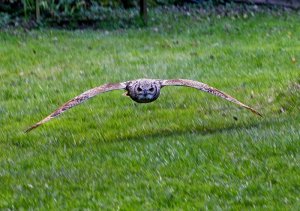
x,y
79,99
141,91
206,88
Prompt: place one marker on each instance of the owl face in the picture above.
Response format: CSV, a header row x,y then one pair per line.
x,y
144,90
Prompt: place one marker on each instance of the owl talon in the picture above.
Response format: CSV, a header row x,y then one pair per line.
x,y
125,94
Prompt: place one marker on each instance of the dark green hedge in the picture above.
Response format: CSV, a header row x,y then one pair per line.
x,y
80,8
78,12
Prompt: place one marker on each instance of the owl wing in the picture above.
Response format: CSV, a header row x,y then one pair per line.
x,y
79,99
206,88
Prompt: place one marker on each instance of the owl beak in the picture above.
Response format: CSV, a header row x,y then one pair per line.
x,y
145,92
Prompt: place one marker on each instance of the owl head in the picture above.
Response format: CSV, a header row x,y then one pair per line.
x,y
144,90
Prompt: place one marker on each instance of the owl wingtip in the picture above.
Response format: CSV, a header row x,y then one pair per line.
x,y
31,128
28,130
256,112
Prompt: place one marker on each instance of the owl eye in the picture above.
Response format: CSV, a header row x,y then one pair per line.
x,y
151,89
139,89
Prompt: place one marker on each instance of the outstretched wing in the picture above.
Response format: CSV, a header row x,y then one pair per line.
x,y
205,88
79,99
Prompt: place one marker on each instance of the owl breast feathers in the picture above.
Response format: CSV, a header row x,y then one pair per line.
x,y
141,91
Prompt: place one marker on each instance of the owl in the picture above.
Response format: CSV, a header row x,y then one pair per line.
x,y
141,91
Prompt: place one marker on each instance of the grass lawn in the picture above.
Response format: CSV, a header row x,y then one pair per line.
x,y
188,150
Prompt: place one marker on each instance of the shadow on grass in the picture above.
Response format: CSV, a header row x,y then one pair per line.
x,y
68,139
198,130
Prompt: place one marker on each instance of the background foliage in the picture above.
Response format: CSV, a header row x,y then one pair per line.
x,y
76,10
78,13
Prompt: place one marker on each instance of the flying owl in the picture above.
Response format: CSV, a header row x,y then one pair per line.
x,y
141,91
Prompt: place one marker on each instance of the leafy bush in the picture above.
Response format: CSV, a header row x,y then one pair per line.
x,y
87,12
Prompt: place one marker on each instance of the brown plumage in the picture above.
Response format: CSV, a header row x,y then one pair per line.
x,y
141,91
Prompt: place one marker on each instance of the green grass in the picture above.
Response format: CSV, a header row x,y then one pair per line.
x,y
185,150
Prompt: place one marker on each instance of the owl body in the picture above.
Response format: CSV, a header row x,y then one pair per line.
x,y
143,90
